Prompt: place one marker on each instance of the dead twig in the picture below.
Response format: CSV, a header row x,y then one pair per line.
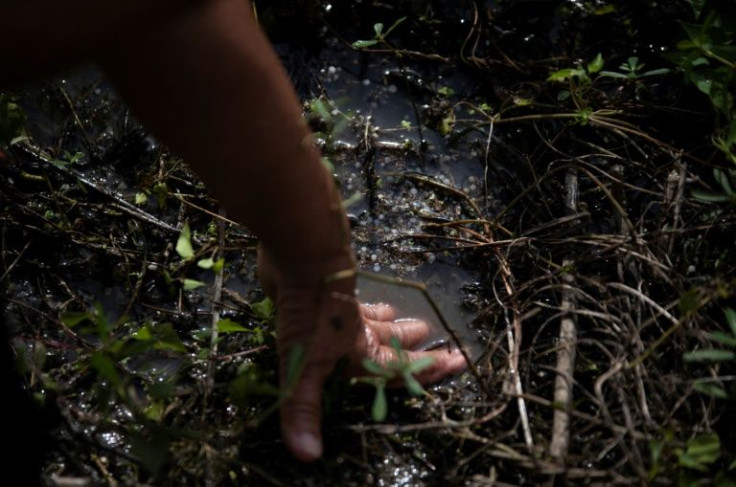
x,y
563,395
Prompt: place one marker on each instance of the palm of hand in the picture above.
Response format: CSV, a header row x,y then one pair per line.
x,y
328,324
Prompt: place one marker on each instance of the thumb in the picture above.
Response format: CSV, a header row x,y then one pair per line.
x,y
300,415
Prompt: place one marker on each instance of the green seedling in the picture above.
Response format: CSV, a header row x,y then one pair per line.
x,y
380,35
632,70
401,369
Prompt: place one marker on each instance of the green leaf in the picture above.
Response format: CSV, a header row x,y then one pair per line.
x,y
613,74
380,404
321,108
207,263
731,319
378,29
412,385
723,338
709,355
722,179
596,64
155,411
105,367
328,164
710,389
374,368
366,43
143,333
141,199
228,326
655,72
184,243
352,199
419,364
564,74
218,265
704,449
190,284
445,91
709,196
73,318
264,309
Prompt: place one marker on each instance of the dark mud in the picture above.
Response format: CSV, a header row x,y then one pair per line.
x,y
465,169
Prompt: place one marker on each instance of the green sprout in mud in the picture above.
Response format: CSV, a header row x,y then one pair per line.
x,y
380,35
401,369
632,70
327,122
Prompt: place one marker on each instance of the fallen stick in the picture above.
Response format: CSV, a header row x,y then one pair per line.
x,y
563,394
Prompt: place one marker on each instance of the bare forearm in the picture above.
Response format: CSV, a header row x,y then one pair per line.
x,y
202,76
211,87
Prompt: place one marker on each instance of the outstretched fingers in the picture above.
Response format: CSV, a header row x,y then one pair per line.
x,y
445,363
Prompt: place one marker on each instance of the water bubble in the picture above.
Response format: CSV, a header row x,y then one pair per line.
x,y
366,82
392,89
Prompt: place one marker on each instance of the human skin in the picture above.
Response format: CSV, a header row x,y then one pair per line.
x,y
205,80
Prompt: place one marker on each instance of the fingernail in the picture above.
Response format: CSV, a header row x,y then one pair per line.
x,y
308,445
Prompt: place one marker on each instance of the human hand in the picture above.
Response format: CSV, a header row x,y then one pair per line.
x,y
325,319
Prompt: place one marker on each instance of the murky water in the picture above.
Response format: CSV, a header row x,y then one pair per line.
x,y
388,208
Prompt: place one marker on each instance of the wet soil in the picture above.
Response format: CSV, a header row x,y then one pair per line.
x,y
463,168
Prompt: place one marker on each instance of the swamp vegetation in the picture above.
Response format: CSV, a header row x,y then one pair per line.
x,y
560,174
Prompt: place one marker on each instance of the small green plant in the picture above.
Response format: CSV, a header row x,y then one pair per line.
x,y
396,370
707,58
186,252
67,159
713,355
699,457
632,70
112,361
327,122
579,81
580,76
380,35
